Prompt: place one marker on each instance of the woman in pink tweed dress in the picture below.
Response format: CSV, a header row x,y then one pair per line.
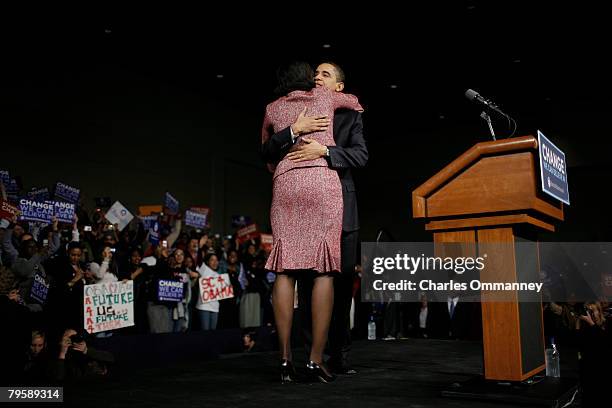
x,y
306,213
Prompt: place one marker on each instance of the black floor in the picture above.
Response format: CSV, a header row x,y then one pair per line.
x,y
402,373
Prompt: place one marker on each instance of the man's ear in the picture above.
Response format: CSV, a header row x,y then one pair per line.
x,y
339,86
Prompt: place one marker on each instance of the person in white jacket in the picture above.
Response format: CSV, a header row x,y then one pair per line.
x,y
103,272
208,312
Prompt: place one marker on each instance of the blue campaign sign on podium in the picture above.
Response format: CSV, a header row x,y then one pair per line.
x,y
553,169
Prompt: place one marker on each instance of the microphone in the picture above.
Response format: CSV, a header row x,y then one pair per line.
x,y
472,95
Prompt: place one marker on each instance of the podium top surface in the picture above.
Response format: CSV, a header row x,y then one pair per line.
x,y
490,178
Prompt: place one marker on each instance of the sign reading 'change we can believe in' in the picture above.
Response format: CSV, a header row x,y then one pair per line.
x,y
170,290
44,211
195,219
67,193
5,178
553,169
171,203
38,194
40,288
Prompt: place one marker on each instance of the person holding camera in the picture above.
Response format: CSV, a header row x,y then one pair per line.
x,y
103,269
76,359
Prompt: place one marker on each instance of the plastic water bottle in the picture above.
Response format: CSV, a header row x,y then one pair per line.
x,y
371,329
553,368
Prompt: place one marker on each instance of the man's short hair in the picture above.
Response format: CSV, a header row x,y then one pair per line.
x,y
339,71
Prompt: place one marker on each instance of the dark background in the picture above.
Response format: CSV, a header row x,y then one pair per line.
x,y
130,104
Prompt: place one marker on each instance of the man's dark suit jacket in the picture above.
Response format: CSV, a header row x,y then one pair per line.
x,y
350,152
465,323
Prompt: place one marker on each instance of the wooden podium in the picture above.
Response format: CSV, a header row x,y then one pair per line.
x,y
490,195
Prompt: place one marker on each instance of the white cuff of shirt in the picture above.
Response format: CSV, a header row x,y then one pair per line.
x,y
293,135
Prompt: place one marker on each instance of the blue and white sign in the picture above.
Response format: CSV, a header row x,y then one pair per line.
x,y
67,193
119,215
39,194
154,234
148,221
12,190
31,210
44,211
13,186
64,212
5,178
553,169
169,290
195,219
40,289
171,203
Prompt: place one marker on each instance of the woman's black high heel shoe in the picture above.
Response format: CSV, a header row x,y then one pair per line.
x,y
316,371
287,372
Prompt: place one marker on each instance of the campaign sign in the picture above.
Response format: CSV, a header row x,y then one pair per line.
x,y
67,193
195,219
266,242
201,210
154,234
64,212
239,221
119,215
12,187
41,211
38,194
12,190
171,204
247,233
216,288
7,210
40,289
5,178
169,290
108,306
44,211
148,221
553,169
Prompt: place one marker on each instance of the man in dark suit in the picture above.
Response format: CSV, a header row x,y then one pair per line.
x,y
350,152
456,319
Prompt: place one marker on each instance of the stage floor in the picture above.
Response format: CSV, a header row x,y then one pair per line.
x,y
400,373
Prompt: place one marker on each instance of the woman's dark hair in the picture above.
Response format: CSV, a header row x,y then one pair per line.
x,y
136,249
208,256
294,76
74,245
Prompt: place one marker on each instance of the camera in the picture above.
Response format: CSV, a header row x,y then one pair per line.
x,y
87,228
77,338
113,250
165,244
111,227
